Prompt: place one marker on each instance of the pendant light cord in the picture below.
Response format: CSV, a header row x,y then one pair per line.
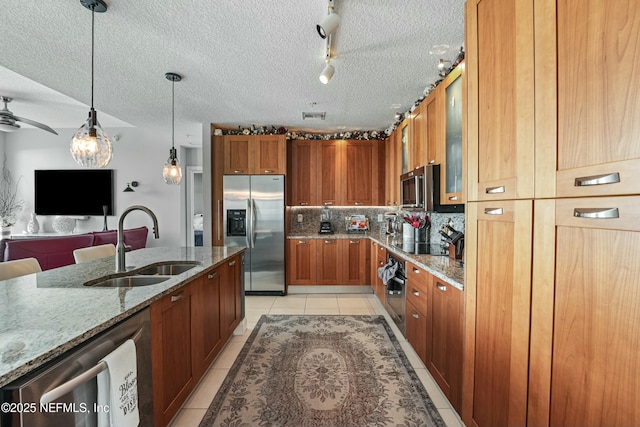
x,y
173,114
93,15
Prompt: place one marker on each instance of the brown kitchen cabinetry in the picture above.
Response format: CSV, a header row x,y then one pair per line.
x,y
392,170
500,36
355,253
302,174
172,345
381,259
452,179
445,326
418,133
363,178
418,300
434,106
329,173
254,154
208,340
230,296
217,167
301,262
416,330
329,270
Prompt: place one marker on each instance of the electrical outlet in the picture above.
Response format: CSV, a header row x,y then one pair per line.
x,y
299,217
380,218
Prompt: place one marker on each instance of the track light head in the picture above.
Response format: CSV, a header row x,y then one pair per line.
x,y
327,73
442,64
328,25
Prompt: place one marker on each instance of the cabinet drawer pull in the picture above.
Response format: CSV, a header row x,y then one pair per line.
x,y
212,275
431,162
381,248
329,242
442,288
232,263
453,198
178,297
596,213
410,174
415,270
495,190
359,203
415,293
268,171
608,178
302,242
354,242
328,203
415,315
238,170
304,203
493,211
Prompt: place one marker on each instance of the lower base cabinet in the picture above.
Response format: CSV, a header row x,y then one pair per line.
x,y
189,327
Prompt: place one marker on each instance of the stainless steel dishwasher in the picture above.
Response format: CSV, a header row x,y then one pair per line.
x,y
73,377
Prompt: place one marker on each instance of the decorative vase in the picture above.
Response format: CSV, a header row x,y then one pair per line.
x,y
33,226
5,232
63,224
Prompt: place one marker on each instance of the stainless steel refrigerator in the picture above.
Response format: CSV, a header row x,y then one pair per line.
x,y
253,216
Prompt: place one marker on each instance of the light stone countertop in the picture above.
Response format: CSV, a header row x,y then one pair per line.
x,y
442,267
46,314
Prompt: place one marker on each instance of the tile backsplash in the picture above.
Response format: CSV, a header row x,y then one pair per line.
x,y
311,219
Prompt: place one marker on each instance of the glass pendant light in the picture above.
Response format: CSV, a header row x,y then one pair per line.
x,y
172,172
90,146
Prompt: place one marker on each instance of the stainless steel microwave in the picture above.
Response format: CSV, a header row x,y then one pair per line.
x,y
420,189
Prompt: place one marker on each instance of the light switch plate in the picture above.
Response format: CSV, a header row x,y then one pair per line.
x,y
299,217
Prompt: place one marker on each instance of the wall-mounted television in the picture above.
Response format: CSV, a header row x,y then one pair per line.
x,y
74,192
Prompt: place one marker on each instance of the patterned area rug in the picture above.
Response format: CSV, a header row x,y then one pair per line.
x,y
308,371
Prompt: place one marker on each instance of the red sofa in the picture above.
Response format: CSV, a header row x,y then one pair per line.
x,y
53,252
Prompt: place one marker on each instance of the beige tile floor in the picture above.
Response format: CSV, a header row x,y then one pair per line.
x,y
195,407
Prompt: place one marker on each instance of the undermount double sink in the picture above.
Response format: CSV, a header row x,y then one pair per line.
x,y
151,274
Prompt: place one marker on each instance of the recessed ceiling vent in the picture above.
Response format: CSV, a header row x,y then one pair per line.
x,y
316,116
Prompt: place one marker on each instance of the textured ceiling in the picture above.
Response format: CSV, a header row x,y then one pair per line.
x,y
243,62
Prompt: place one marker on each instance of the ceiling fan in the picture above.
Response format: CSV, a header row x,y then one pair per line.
x,y
8,119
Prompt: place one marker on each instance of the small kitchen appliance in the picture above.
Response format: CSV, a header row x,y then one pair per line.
x,y
325,227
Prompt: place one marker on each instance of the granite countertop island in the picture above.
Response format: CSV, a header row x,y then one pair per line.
x,y
46,314
442,267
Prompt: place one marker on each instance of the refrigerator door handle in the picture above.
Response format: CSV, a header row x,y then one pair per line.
x,y
253,223
248,219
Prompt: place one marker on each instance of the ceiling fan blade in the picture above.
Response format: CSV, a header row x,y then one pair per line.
x,y
36,124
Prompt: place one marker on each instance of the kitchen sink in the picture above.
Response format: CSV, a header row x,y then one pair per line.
x,y
166,268
127,281
151,274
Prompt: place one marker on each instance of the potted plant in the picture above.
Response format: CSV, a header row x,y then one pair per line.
x,y
10,204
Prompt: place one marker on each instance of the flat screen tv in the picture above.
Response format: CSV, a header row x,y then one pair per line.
x,y
74,192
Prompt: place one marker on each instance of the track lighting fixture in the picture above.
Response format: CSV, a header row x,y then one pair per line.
x,y
90,145
329,23
327,73
172,172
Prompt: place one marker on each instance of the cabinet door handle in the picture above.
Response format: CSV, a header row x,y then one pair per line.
x,y
453,198
359,203
415,270
212,275
431,162
268,171
442,288
381,248
415,293
177,297
605,213
493,211
232,263
329,242
607,178
495,190
303,203
415,315
328,203
354,242
380,263
238,170
302,242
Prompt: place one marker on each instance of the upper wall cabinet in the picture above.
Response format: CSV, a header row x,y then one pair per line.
x,y
499,67
587,103
418,132
451,181
302,173
254,154
434,106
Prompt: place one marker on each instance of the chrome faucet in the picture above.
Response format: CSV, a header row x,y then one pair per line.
x,y
121,264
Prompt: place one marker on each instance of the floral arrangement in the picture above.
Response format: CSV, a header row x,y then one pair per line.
x,y
417,219
272,130
10,205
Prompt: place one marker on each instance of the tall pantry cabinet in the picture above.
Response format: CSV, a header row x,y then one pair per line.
x,y
553,225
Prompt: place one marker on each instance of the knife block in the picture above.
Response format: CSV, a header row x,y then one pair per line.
x,y
455,251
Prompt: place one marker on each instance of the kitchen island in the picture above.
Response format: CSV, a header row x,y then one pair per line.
x,y
46,314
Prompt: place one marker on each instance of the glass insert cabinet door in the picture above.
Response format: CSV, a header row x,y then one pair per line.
x,y
453,153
